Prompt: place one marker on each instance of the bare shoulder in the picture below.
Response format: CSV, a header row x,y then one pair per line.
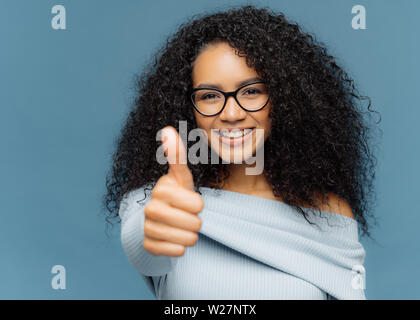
x,y
337,204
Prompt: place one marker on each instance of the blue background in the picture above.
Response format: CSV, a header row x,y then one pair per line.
x,y
64,95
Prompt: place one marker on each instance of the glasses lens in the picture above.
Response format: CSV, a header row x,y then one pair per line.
x,y
253,96
250,97
208,101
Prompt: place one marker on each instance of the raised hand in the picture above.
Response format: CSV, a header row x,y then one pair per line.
x,y
171,216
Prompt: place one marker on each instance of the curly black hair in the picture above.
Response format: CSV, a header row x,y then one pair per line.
x,y
319,140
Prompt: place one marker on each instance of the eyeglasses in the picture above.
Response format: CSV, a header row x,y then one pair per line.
x,y
250,97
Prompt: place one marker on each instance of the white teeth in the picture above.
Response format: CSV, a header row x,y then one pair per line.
x,y
246,131
235,133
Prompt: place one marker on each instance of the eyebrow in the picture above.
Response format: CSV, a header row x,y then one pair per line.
x,y
238,84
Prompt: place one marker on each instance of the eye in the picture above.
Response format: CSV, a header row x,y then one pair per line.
x,y
208,95
252,91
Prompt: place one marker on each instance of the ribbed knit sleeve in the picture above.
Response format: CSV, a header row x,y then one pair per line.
x,y
150,266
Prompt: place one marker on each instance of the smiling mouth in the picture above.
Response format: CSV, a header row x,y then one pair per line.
x,y
235,136
233,133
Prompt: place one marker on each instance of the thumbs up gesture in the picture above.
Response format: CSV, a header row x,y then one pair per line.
x,y
171,222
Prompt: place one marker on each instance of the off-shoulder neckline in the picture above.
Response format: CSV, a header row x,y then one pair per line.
x,y
260,201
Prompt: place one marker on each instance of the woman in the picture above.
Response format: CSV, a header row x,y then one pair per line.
x,y
289,232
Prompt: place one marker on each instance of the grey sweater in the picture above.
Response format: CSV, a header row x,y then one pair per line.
x,y
251,248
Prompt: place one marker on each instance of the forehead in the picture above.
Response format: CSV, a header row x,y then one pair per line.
x,y
219,64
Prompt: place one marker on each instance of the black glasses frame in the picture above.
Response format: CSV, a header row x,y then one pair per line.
x,y
227,95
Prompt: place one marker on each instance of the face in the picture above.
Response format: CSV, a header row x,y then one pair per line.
x,y
234,134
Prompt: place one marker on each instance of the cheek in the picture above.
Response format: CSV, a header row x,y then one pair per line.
x,y
204,123
198,120
201,121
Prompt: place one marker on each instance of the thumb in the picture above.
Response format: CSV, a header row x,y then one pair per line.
x,y
176,155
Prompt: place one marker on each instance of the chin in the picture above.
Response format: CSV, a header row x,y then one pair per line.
x,y
235,157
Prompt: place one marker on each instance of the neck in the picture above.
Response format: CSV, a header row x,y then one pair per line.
x,y
240,182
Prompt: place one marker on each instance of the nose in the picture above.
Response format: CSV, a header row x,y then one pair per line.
x,y
232,111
